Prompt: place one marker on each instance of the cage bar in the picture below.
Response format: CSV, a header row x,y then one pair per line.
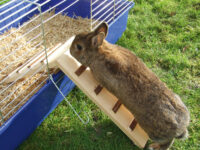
x,y
99,10
7,3
7,10
17,19
20,86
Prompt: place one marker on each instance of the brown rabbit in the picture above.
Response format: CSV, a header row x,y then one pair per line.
x,y
159,111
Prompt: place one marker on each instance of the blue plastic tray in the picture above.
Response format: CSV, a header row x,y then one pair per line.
x,y
15,130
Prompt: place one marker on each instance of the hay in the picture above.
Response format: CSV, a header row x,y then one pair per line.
x,y
57,30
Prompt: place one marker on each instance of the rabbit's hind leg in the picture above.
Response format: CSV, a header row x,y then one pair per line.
x,y
161,146
167,145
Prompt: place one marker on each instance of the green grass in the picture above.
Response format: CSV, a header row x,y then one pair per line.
x,y
166,36
3,1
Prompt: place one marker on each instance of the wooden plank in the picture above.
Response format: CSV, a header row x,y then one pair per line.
x,y
104,100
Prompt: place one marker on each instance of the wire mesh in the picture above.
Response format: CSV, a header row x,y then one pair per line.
x,y
26,37
107,11
11,92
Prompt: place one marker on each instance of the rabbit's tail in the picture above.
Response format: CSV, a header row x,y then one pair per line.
x,y
184,135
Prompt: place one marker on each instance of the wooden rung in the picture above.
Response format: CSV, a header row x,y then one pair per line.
x,y
133,124
98,89
80,70
117,106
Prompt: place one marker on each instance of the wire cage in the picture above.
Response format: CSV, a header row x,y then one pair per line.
x,y
31,85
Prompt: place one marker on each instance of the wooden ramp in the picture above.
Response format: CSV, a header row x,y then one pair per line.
x,y
107,102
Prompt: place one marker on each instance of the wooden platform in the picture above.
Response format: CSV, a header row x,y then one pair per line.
x,y
107,102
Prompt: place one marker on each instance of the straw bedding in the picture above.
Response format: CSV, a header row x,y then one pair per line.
x,y
15,54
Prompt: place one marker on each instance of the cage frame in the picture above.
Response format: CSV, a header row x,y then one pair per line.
x,y
16,125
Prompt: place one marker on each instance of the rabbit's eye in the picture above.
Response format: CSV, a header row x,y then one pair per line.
x,y
79,47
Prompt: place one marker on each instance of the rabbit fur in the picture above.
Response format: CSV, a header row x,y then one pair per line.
x,y
158,110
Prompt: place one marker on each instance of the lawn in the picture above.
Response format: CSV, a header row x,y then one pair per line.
x,y
166,36
3,1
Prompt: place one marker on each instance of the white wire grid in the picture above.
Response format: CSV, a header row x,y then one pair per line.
x,y
100,10
107,11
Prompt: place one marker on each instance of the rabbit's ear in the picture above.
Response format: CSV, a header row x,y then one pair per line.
x,y
97,40
102,28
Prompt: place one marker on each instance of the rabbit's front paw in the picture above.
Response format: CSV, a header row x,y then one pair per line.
x,y
154,146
